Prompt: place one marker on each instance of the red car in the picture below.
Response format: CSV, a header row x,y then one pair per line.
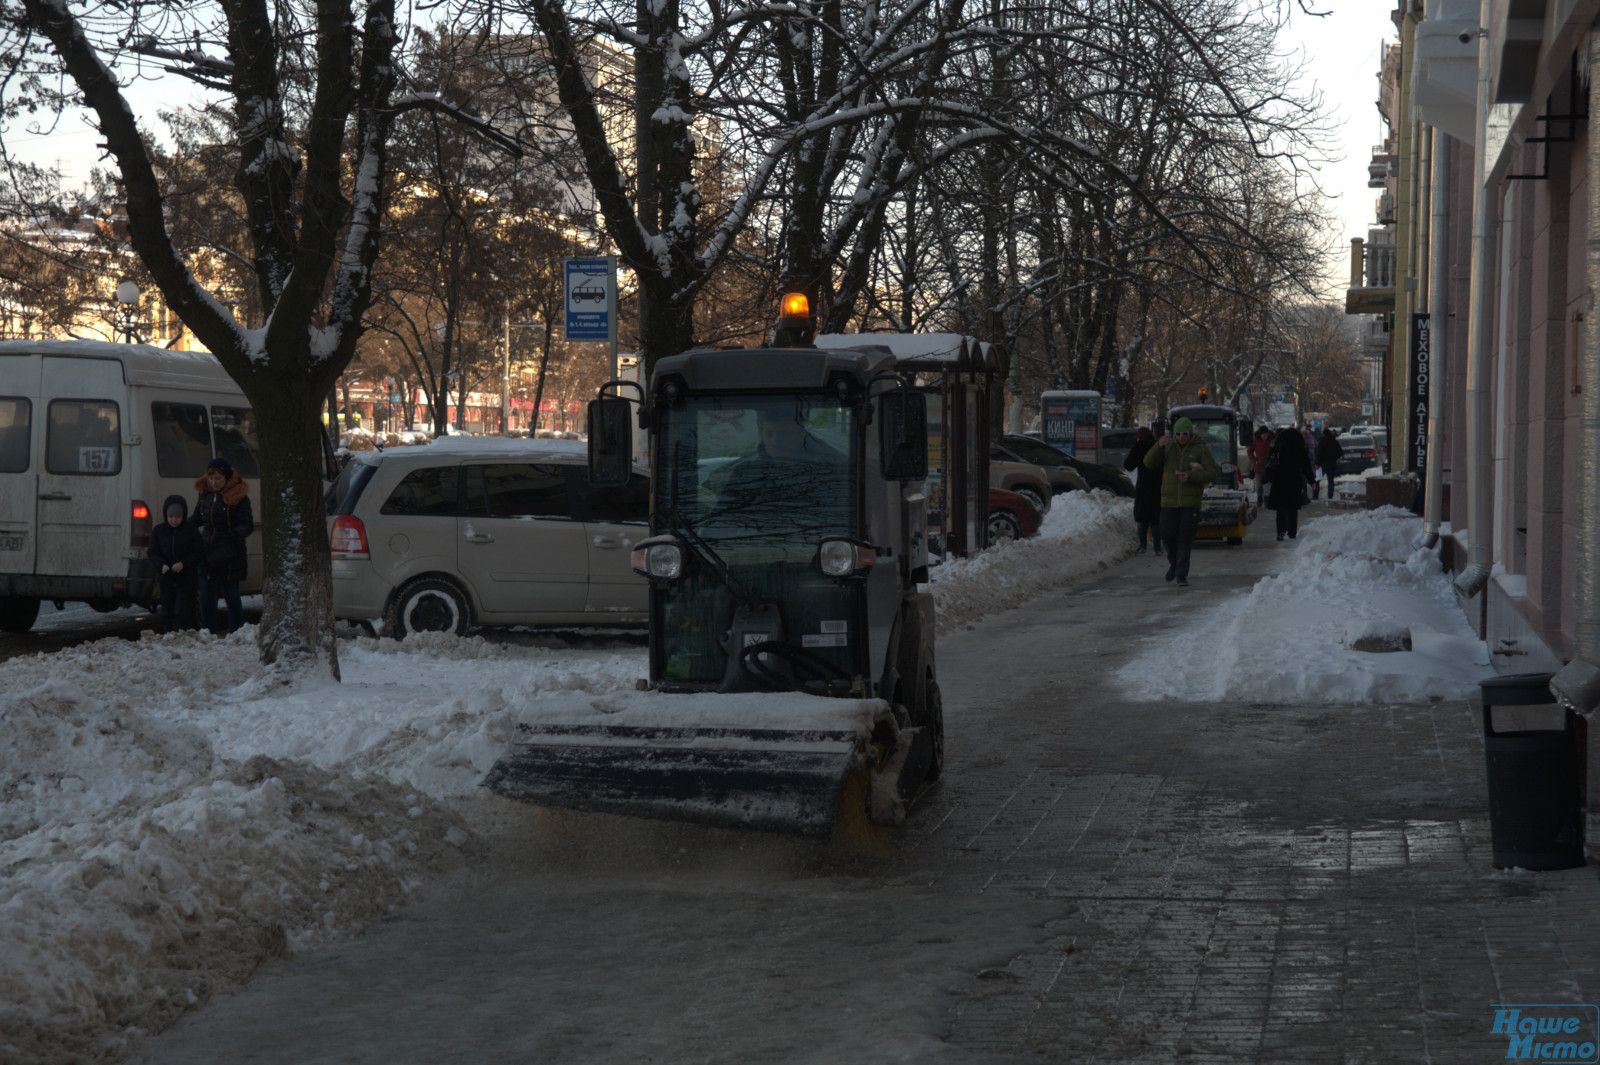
x,y
1011,517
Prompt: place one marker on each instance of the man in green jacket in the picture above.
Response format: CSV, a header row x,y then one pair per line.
x,y
1186,468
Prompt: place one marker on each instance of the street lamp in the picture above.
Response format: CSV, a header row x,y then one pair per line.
x,y
127,318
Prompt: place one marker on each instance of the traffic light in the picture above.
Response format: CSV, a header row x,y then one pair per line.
x,y
1203,395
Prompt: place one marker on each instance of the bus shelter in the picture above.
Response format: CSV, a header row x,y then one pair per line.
x,y
958,374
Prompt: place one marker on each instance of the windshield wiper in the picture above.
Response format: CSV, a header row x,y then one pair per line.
x,y
696,544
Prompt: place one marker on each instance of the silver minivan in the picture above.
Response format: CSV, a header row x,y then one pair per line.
x,y
485,531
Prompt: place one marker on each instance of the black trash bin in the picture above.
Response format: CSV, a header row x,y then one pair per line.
x,y
1535,805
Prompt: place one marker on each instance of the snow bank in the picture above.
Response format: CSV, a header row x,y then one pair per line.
x,y
163,829
1085,532
1352,577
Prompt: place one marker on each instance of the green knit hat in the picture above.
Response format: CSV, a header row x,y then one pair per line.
x,y
1183,425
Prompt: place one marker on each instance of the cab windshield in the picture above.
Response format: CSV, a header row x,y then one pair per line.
x,y
775,471
1217,435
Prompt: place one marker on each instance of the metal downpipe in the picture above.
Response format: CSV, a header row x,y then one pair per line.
x,y
1578,685
1438,333
1476,576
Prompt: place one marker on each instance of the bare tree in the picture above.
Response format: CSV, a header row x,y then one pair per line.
x,y
312,93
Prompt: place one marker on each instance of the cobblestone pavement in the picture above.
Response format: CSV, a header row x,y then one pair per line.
x,y
1116,882
1243,883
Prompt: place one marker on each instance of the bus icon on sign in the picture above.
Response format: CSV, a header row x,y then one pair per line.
x,y
592,288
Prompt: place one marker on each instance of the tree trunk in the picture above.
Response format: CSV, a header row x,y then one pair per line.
x,y
538,388
666,321
297,627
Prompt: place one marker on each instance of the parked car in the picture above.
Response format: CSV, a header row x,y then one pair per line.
x,y
1360,454
1011,516
1115,445
485,531
1380,437
1061,467
1024,478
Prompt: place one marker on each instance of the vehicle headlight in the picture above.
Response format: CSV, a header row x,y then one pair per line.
x,y
844,558
659,561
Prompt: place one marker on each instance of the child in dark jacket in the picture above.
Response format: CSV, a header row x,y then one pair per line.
x,y
175,549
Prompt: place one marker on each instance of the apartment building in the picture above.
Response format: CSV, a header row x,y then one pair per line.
x,y
1493,374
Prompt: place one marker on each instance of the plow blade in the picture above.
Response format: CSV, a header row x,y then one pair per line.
x,y
769,779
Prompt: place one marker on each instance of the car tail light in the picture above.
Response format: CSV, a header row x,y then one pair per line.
x,y
348,540
139,525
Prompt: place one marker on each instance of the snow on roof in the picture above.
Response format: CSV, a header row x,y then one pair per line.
x,y
502,444
489,447
933,347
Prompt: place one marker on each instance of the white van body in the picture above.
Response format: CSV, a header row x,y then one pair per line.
x,y
93,436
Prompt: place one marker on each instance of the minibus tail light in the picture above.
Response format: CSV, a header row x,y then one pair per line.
x,y
139,525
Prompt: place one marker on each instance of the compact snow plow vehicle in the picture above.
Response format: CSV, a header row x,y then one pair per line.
x,y
790,648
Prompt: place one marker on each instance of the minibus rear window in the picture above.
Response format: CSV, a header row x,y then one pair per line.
x,y
83,437
235,430
183,439
16,419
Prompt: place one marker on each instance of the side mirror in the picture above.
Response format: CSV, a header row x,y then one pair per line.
x,y
610,442
903,435
1246,432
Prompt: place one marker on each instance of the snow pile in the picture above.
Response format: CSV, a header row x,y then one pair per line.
x,y
163,828
1291,639
1085,532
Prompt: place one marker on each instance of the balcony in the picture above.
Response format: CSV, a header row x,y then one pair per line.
x,y
1385,208
1378,168
1372,278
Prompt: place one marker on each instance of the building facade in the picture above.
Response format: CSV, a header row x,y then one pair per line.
x,y
1496,265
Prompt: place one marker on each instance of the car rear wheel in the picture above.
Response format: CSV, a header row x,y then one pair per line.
x,y
1004,527
18,613
429,606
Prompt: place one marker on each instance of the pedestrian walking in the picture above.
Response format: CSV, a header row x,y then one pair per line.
x,y
223,518
175,550
1146,490
1186,466
1329,451
1288,473
1260,447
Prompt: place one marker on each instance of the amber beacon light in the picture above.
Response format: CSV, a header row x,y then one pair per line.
x,y
794,319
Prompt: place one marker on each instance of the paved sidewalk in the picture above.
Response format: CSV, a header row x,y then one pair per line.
x,y
1093,881
1245,883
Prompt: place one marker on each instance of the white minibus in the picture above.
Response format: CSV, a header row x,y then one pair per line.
x,y
93,436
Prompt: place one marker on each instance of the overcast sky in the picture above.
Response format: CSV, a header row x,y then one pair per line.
x,y
1342,52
